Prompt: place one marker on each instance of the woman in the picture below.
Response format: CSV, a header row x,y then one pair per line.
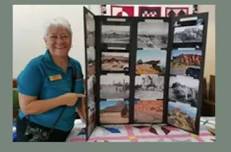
x,y
50,86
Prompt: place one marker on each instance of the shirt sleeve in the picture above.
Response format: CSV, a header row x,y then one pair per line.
x,y
30,80
79,83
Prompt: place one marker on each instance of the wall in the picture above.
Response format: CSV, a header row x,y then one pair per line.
x,y
28,22
210,62
28,32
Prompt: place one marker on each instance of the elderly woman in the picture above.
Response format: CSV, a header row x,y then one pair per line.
x,y
49,88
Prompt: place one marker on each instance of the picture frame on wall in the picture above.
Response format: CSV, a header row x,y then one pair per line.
x,y
176,11
118,10
149,11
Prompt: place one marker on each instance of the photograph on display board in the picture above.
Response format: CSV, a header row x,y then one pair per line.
x,y
182,115
186,61
149,87
150,61
113,61
115,34
184,89
148,111
149,11
152,34
90,30
91,117
188,34
114,86
91,82
114,111
90,61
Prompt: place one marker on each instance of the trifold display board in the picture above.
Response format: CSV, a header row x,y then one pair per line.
x,y
144,70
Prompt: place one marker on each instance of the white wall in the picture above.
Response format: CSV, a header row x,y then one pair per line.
x,y
28,22
210,60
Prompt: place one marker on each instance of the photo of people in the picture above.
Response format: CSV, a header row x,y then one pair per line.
x,y
114,111
186,61
184,89
182,115
113,61
148,111
149,87
114,86
150,61
152,34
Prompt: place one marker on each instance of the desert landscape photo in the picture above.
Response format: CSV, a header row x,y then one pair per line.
x,y
112,111
112,61
148,111
182,115
150,61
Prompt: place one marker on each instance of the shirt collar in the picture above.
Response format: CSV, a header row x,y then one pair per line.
x,y
49,61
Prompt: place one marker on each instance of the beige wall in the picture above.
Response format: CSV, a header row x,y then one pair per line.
x,y
211,40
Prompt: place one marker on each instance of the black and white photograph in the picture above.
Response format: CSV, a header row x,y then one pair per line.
x,y
186,61
149,87
91,82
114,86
114,61
182,115
114,111
119,34
184,89
90,61
90,30
188,34
152,34
150,61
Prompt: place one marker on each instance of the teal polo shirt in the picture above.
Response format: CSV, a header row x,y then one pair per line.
x,y
44,79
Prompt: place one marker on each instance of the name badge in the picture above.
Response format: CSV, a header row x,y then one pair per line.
x,y
55,77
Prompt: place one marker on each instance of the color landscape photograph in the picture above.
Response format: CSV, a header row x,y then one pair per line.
x,y
182,115
113,61
148,111
186,62
114,111
150,61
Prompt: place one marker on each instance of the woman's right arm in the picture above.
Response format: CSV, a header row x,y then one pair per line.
x,y
32,105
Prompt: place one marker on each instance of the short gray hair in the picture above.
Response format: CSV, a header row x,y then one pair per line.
x,y
59,21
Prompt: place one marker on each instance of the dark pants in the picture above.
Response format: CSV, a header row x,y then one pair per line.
x,y
55,136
